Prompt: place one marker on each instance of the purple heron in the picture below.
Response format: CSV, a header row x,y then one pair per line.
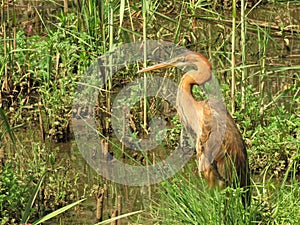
x,y
221,152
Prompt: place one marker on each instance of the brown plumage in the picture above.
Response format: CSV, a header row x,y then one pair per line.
x,y
221,151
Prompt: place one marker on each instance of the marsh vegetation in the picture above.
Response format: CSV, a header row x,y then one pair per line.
x,y
47,46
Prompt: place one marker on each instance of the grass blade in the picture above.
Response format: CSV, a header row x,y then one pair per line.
x,y
29,205
7,126
118,217
57,212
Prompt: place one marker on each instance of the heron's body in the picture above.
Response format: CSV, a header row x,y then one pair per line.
x,y
221,152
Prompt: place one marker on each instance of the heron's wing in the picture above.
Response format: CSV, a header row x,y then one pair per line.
x,y
221,142
213,126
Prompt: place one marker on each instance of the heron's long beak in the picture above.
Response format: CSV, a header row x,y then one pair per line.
x,y
166,64
200,71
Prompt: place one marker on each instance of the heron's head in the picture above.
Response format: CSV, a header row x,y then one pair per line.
x,y
201,73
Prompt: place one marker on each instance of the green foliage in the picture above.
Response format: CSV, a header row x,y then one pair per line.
x,y
248,118
275,144
16,185
174,131
271,135
13,195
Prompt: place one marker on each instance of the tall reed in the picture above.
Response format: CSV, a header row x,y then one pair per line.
x,y
233,47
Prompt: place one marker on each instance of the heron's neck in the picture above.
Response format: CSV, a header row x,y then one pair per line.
x,y
187,105
186,85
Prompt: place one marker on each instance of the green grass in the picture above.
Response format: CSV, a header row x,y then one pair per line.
x,y
186,199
